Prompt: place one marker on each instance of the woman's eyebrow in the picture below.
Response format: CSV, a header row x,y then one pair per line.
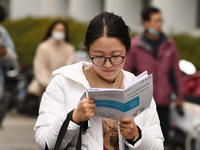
x,y
98,51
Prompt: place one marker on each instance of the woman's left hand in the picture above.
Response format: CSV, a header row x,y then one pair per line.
x,y
128,128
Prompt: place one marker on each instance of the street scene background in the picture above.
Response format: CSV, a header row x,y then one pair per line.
x,y
27,22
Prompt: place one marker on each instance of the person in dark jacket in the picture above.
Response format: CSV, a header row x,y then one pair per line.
x,y
8,60
155,52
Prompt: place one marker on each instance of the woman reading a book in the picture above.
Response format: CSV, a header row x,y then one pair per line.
x,y
107,42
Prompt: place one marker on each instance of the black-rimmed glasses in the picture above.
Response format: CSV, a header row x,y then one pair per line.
x,y
100,60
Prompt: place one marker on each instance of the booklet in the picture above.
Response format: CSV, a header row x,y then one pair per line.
x,y
130,101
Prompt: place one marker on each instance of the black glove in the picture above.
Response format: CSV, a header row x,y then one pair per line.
x,y
180,110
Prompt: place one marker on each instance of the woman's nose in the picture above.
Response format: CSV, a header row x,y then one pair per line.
x,y
107,63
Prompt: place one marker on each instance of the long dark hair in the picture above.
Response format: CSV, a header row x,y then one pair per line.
x,y
110,25
2,13
49,31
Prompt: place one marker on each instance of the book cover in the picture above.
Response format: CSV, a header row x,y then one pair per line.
x,y
130,101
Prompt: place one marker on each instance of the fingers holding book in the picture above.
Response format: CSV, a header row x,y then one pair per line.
x,y
84,110
128,128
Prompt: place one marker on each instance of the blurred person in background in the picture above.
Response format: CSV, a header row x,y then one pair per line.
x,y
54,52
155,52
8,60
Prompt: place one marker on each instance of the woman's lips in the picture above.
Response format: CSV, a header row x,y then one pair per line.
x,y
108,71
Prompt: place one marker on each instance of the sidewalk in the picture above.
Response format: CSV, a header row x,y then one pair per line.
x,y
17,132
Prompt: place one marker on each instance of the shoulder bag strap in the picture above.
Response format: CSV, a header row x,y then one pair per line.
x,y
62,132
84,127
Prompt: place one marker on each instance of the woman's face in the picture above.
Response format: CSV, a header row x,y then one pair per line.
x,y
107,47
58,32
59,27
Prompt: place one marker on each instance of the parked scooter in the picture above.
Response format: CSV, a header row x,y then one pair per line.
x,y
185,129
16,93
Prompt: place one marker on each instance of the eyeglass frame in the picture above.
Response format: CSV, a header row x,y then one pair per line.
x,y
109,58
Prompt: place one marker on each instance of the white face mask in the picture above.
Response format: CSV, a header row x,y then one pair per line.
x,y
58,35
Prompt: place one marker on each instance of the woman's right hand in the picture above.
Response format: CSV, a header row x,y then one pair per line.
x,y
84,110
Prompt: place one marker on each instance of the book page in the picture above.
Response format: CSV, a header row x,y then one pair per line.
x,y
138,97
137,79
109,103
103,89
117,103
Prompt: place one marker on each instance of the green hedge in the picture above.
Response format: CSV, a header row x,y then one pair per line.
x,y
189,48
28,33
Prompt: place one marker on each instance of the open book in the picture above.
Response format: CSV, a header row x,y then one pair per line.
x,y
130,101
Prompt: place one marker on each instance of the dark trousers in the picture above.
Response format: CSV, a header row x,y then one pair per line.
x,y
2,111
163,113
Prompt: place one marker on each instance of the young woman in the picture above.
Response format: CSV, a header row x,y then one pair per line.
x,y
107,42
54,52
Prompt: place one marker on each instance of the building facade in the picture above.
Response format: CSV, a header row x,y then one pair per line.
x,y
179,15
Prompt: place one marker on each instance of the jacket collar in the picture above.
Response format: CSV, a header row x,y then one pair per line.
x,y
142,42
75,72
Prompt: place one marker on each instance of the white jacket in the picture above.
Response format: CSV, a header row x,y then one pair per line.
x,y
63,94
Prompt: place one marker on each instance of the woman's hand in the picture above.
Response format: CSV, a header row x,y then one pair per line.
x,y
84,110
128,128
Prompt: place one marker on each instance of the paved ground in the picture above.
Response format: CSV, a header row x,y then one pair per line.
x,y
17,132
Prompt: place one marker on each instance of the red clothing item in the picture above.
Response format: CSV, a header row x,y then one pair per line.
x,y
141,58
192,85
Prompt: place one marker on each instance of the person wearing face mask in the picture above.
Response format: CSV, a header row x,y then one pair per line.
x,y
155,52
54,52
